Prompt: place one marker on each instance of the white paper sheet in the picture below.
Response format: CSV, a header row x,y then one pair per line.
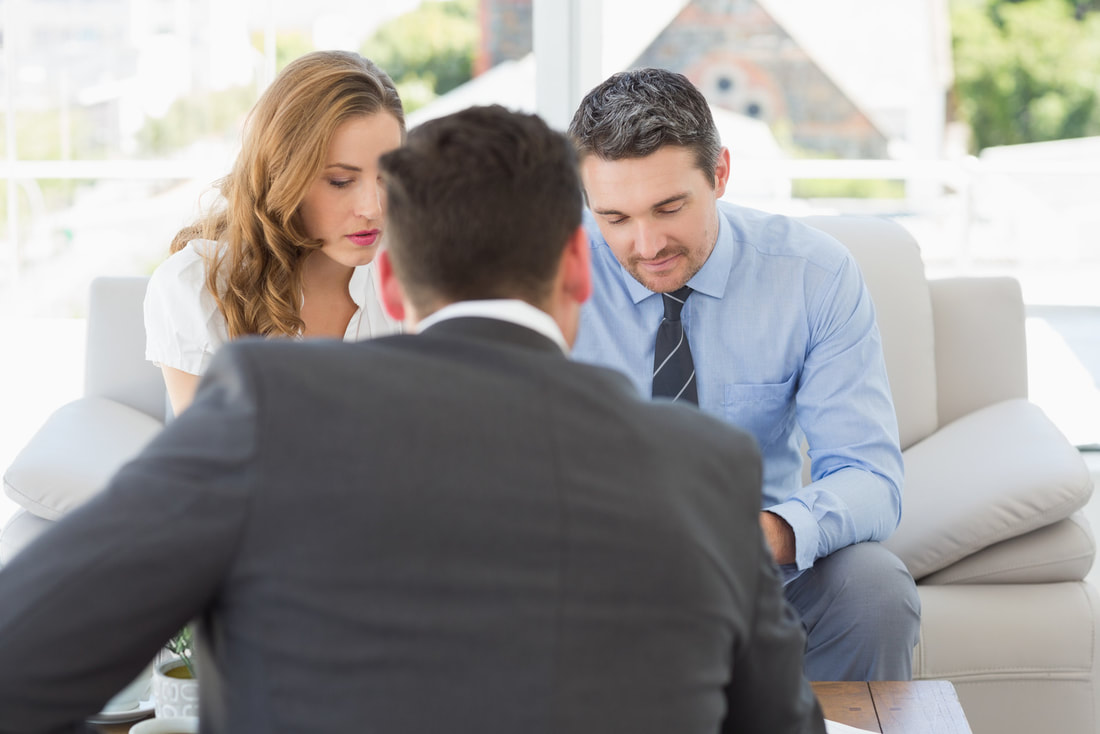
x,y
835,727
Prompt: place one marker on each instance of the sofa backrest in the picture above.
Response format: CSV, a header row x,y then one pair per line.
x,y
115,365
890,261
981,343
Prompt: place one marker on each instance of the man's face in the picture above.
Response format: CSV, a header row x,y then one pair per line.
x,y
657,213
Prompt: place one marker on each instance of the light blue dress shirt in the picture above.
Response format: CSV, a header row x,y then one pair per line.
x,y
783,334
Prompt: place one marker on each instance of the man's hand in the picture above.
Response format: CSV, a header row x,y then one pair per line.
x,y
779,535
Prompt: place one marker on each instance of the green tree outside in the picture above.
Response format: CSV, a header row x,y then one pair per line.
x,y
39,134
214,114
194,117
1027,71
428,51
289,45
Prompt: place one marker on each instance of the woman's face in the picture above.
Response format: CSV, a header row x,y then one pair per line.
x,y
344,206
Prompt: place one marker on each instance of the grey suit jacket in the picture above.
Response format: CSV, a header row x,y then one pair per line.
x,y
460,531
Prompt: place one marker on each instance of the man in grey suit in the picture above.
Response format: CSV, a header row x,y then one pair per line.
x,y
459,530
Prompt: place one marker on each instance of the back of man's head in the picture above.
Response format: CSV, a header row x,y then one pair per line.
x,y
637,112
481,204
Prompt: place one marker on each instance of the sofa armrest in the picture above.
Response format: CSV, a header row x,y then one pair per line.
x,y
992,475
981,345
75,452
1061,551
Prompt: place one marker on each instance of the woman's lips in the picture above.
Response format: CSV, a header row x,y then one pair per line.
x,y
365,238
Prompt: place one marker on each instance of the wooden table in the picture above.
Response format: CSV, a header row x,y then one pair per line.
x,y
894,707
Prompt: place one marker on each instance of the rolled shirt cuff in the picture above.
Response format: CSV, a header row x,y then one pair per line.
x,y
807,532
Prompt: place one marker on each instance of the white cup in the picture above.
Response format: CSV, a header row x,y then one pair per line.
x,y
177,725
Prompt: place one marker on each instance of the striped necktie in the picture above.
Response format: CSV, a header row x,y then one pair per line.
x,y
673,368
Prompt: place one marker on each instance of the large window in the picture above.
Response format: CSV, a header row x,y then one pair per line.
x,y
119,115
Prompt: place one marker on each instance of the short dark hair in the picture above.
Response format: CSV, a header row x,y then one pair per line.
x,y
480,205
635,113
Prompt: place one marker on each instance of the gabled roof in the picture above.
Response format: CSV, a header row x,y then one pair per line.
x,y
881,54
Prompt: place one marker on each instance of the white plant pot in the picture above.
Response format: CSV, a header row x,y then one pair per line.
x,y
174,697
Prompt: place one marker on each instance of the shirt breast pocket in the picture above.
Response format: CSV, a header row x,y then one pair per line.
x,y
766,410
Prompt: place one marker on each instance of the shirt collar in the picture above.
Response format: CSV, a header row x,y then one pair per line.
x,y
502,309
357,284
711,279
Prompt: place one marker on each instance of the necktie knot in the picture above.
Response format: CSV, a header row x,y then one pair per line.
x,y
674,302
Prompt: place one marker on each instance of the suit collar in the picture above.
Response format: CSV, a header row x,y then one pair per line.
x,y
502,309
495,330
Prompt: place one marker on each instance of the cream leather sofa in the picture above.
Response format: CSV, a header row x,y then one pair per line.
x,y
83,443
989,529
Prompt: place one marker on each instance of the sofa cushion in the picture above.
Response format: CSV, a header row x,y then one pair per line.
x,y
997,473
981,346
890,261
1062,551
1023,658
987,629
74,453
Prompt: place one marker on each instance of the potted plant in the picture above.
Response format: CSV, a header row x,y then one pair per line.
x,y
175,686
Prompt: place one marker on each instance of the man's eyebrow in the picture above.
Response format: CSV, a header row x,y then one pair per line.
x,y
670,200
663,202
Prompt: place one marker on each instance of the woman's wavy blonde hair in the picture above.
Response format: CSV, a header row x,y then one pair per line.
x,y
256,274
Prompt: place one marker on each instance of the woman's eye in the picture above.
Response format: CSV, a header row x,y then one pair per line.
x,y
340,183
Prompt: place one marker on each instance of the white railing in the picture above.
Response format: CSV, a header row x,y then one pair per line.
x,y
968,214
106,169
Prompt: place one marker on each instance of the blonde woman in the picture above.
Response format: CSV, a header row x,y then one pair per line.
x,y
288,251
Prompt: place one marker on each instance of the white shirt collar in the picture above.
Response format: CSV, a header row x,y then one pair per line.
x,y
502,309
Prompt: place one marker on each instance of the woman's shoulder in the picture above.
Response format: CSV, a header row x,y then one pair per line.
x,y
183,325
188,263
179,283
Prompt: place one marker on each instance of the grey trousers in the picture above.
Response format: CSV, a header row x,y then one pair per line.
x,y
860,609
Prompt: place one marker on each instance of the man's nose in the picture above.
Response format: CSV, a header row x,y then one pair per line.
x,y
648,240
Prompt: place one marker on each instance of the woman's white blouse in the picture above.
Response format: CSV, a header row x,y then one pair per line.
x,y
183,326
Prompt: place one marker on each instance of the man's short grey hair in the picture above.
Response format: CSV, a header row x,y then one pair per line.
x,y
634,113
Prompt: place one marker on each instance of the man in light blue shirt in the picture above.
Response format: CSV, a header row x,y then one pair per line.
x,y
783,342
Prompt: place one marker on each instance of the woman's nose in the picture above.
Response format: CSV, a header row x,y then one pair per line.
x,y
370,201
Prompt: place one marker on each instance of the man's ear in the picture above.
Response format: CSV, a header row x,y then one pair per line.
x,y
393,295
576,267
722,173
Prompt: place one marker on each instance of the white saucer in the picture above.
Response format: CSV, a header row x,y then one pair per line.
x,y
144,708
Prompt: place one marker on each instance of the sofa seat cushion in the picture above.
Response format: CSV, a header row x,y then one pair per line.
x,y
1062,551
997,473
1023,658
998,629
74,453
